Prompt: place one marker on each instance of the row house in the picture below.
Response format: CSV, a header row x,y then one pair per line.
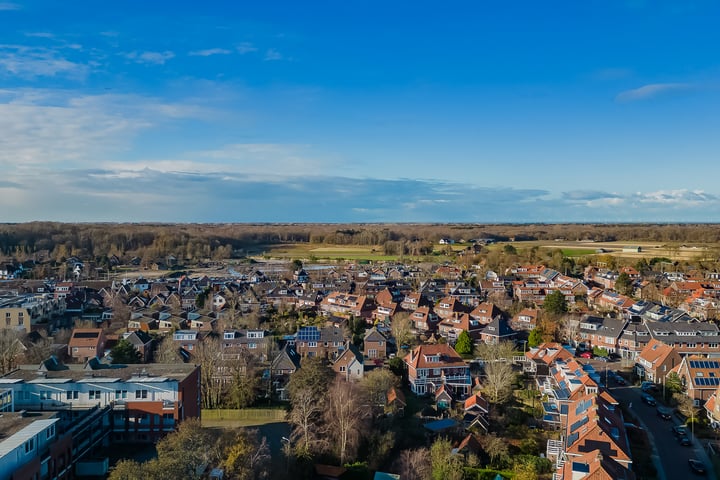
x,y
433,366
701,308
344,304
602,332
595,422
595,435
565,383
25,312
326,342
655,361
144,401
633,340
700,376
688,338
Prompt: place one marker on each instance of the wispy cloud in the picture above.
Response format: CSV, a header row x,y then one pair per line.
x,y
9,6
59,129
246,47
680,197
39,35
209,52
151,58
652,90
33,62
272,54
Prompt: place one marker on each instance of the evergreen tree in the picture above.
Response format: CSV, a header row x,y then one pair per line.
x,y
124,352
464,344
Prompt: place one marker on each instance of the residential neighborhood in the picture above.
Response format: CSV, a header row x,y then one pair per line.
x,y
241,338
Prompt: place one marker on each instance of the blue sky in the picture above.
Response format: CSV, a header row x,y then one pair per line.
x,y
360,111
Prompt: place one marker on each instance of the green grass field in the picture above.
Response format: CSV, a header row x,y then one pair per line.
x,y
577,252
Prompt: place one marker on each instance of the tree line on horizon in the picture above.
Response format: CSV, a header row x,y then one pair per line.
x,y
23,241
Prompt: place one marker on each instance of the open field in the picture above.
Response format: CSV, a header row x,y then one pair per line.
x,y
247,417
648,249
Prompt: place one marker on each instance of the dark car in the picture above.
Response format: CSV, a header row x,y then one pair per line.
x,y
647,398
620,380
696,466
684,440
664,413
679,430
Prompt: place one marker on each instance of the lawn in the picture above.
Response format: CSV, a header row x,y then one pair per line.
x,y
577,252
248,417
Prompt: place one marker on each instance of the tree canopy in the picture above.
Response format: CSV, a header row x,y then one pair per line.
x,y
535,338
555,303
124,352
464,344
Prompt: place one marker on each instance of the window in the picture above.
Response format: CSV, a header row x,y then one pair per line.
x,y
120,394
372,353
29,445
343,369
94,394
71,395
141,393
312,344
252,345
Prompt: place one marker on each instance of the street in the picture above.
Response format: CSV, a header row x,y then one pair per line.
x,y
673,456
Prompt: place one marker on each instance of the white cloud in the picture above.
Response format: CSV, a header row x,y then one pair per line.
x,y
651,90
9,6
273,54
246,47
33,62
62,130
39,35
209,52
153,58
679,197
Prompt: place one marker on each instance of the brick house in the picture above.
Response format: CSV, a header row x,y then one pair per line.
x,y
86,343
375,345
656,360
431,366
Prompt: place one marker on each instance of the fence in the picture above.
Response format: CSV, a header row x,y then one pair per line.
x,y
245,414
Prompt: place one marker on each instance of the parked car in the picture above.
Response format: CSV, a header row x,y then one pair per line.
x,y
648,387
588,355
664,413
684,440
679,430
697,466
647,398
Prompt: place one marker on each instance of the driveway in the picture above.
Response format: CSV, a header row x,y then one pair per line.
x,y
673,457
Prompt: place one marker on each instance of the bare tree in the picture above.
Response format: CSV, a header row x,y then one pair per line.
x,y
498,381
413,464
305,418
167,351
10,349
490,352
345,415
401,328
495,447
208,355
39,350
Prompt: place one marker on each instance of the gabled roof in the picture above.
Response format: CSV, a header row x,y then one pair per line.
x,y
446,355
594,465
395,395
656,352
373,335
